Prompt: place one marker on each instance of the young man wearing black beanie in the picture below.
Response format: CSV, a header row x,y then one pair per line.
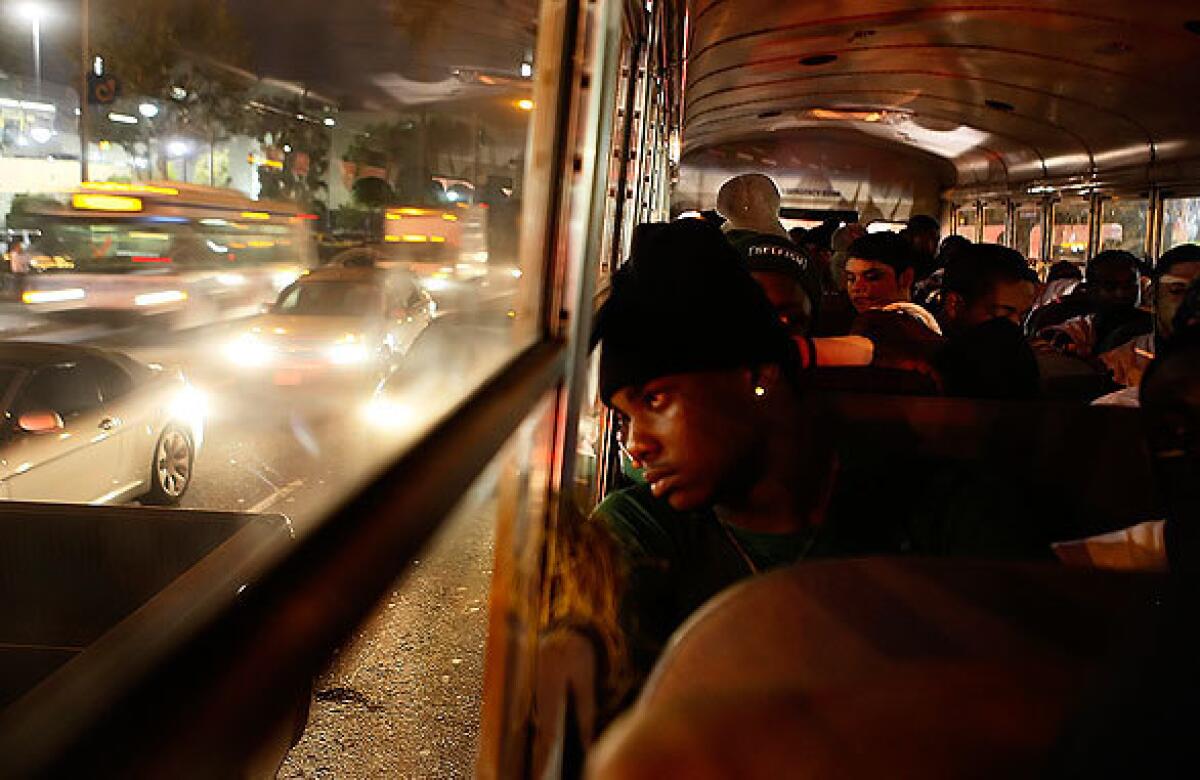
x,y
738,479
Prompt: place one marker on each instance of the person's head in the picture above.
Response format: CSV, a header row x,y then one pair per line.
x,y
923,233
986,282
799,236
750,202
696,359
879,271
1112,282
950,246
1175,270
846,235
786,288
1063,269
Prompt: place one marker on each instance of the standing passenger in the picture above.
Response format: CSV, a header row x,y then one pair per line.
x,y
1174,272
923,234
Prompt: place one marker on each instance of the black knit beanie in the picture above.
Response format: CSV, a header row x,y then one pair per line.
x,y
684,303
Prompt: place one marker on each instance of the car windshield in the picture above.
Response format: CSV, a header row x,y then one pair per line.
x,y
329,299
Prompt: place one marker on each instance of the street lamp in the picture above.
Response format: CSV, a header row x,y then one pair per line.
x,y
34,14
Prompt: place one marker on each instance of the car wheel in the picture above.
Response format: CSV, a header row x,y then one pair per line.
x,y
170,467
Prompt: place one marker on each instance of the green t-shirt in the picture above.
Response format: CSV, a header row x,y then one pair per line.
x,y
676,561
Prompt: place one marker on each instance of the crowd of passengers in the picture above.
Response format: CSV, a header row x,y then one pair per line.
x,y
718,336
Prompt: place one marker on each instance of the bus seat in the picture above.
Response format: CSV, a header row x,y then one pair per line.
x,y
1079,470
878,667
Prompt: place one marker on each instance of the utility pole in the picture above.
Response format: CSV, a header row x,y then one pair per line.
x,y
85,64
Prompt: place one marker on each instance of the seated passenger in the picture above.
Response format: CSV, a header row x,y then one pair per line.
x,y
1170,402
927,292
836,312
1174,272
737,478
879,276
879,271
1112,294
985,282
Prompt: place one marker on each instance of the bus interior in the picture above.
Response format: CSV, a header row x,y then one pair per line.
x,y
1059,129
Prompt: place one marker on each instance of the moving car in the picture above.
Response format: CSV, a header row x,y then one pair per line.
x,y
94,426
334,325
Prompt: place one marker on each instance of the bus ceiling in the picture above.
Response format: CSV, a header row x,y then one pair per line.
x,y
1002,95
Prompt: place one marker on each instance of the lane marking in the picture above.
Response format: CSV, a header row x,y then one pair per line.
x,y
276,497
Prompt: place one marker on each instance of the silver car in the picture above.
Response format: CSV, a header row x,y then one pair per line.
x,y
94,426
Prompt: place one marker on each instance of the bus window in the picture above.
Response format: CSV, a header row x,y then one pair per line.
x,y
995,223
1181,222
1071,221
1123,224
1027,231
195,204
966,222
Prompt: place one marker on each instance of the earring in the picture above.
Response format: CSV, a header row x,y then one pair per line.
x,y
760,391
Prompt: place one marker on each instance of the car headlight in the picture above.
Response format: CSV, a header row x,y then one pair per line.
x,y
190,407
349,354
249,351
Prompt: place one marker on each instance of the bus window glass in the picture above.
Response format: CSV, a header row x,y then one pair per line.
x,y
404,697
1027,231
966,221
995,222
1181,222
1072,221
1123,224
366,160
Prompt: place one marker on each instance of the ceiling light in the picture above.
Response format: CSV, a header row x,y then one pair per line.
x,y
847,115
